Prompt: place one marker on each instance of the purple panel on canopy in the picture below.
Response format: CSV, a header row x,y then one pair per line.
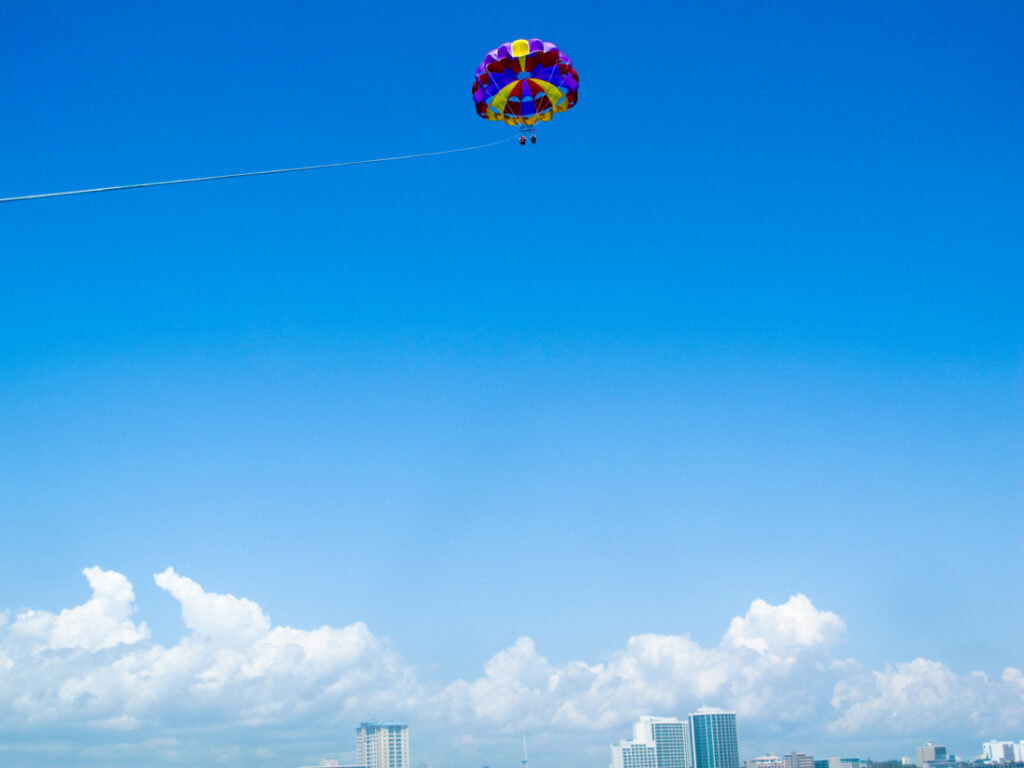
x,y
503,78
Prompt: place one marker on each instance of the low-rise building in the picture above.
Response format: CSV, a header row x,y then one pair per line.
x,y
766,761
1002,752
632,754
845,762
799,760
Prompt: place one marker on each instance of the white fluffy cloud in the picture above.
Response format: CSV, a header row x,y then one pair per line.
x,y
752,669
94,666
101,622
91,665
923,694
784,631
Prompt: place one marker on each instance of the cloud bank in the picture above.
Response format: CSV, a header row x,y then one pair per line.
x,y
755,667
94,666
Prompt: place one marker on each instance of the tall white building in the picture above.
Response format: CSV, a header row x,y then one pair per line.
x,y
658,742
383,744
671,738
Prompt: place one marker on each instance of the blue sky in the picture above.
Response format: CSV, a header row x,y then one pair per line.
x,y
743,325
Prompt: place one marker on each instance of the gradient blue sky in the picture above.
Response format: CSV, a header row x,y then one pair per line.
x,y
746,323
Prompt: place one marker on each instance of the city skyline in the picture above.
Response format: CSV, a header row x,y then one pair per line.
x,y
784,643
666,742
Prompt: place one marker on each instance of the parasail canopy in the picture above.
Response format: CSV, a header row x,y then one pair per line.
x,y
525,82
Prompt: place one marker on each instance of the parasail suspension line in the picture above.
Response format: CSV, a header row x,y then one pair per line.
x,y
249,173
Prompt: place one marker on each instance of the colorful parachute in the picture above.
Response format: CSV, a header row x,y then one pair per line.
x,y
525,82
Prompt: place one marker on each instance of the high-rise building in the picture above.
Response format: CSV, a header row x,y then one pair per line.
x,y
671,738
713,739
658,742
383,745
798,760
929,753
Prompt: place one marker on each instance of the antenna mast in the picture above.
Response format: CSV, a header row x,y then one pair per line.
x,y
526,760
